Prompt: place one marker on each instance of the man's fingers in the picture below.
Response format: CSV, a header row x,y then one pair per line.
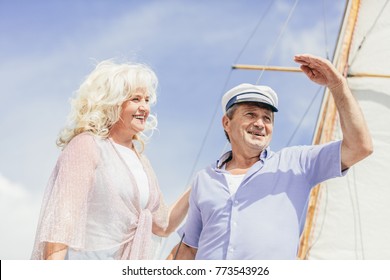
x,y
304,58
307,70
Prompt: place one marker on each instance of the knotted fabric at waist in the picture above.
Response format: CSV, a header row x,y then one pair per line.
x,y
139,247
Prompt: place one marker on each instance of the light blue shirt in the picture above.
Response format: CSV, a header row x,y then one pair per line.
x,y
265,217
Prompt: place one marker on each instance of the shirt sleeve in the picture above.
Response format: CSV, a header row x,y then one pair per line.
x,y
193,225
322,162
64,207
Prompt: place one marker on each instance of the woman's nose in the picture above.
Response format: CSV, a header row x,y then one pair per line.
x,y
143,106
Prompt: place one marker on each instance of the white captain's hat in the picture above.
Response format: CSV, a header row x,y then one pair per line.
x,y
250,93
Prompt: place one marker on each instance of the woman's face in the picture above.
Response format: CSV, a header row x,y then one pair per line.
x,y
134,113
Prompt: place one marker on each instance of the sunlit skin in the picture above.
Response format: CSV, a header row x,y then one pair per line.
x,y
250,132
132,120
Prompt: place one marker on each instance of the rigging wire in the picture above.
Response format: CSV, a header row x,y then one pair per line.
x,y
304,116
325,24
278,39
358,213
254,31
355,213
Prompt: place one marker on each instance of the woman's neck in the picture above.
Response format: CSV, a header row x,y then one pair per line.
x,y
122,139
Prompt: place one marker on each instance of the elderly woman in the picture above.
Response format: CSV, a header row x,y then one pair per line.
x,y
103,200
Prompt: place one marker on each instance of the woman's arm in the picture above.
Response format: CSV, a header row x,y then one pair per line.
x,y
55,251
176,215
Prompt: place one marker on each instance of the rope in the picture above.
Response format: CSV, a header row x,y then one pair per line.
x,y
178,247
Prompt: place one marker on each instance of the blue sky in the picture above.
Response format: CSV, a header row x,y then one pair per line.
x,y
48,47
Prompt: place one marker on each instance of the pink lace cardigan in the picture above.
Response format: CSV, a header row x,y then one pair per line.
x,y
91,203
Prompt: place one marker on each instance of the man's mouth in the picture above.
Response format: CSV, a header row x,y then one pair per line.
x,y
256,133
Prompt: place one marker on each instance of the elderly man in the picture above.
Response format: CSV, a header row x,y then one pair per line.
x,y
251,204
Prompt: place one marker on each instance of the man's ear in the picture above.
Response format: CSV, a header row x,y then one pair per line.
x,y
225,123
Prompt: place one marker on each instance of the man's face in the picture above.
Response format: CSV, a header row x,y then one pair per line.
x,y
250,127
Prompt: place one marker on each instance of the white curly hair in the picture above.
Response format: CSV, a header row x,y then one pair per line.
x,y
96,105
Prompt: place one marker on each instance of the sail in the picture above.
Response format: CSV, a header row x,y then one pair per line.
x,y
349,217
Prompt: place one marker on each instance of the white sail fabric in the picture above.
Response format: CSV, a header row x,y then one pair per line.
x,y
352,219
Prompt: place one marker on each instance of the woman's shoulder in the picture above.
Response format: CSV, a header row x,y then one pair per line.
x,y
83,143
84,138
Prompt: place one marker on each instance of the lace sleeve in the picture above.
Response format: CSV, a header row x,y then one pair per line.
x,y
64,207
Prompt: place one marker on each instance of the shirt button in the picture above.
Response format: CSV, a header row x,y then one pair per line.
x,y
235,202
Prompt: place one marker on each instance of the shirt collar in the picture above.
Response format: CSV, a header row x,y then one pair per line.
x,y
228,155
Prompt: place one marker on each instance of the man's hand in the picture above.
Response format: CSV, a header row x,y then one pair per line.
x,y
182,252
357,142
319,70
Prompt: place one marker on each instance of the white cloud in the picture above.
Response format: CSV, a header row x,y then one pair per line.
x,y
19,212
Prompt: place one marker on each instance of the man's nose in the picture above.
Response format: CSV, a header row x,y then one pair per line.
x,y
259,123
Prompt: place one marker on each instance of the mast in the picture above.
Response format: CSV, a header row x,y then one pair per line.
x,y
326,124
